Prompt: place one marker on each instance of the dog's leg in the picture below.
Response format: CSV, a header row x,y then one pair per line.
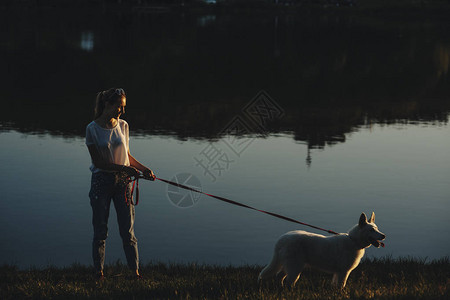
x,y
281,274
283,278
334,279
293,269
273,268
340,279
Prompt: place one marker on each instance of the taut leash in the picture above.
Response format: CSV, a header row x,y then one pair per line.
x,y
239,204
136,180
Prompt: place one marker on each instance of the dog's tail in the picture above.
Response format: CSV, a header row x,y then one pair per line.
x,y
273,268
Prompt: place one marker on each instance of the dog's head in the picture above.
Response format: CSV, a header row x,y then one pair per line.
x,y
369,232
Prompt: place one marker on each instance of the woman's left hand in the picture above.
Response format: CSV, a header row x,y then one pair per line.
x,y
148,174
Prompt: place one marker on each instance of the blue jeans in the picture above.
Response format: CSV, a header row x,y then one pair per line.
x,y
104,188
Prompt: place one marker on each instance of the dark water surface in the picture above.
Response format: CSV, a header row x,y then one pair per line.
x,y
353,117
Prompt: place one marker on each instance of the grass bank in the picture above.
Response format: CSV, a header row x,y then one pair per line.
x,y
373,279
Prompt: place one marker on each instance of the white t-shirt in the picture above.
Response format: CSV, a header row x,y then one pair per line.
x,y
112,144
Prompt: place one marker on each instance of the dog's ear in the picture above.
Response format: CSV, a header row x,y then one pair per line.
x,y
362,220
372,218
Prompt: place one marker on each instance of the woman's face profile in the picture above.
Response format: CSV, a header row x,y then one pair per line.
x,y
116,109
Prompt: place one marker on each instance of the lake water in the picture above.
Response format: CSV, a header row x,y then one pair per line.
x,y
400,172
357,121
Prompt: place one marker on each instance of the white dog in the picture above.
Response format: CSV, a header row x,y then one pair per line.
x,y
338,254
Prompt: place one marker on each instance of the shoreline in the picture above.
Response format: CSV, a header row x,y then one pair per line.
x,y
388,259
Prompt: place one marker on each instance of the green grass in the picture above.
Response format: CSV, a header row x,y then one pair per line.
x,y
373,279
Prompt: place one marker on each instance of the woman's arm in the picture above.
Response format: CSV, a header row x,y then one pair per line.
x,y
107,166
135,163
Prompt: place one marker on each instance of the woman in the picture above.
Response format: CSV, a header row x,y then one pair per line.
x,y
107,138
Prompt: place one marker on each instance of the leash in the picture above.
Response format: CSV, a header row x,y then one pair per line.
x,y
135,181
228,201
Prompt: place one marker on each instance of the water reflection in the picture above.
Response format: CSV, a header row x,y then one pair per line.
x,y
338,78
87,41
331,73
442,60
393,170
206,20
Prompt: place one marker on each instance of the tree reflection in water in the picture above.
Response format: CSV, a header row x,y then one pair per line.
x,y
187,77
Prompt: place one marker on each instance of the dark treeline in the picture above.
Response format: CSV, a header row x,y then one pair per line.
x,y
234,4
189,74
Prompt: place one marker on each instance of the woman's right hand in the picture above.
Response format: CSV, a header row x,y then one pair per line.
x,y
131,171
